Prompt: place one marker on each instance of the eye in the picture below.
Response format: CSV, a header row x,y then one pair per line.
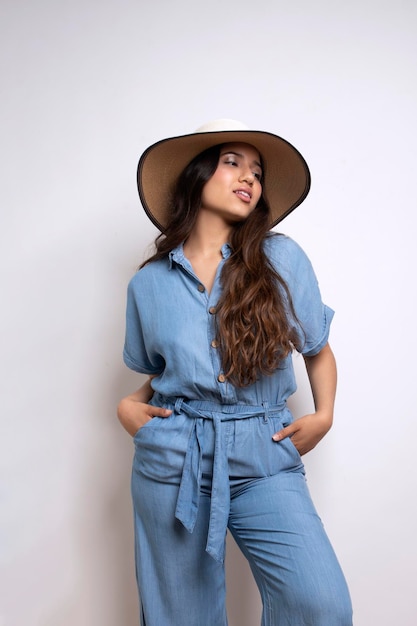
x,y
230,161
257,175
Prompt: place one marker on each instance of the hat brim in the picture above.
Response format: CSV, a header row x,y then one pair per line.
x,y
285,185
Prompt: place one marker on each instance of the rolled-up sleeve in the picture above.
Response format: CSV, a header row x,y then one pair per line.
x,y
136,354
313,316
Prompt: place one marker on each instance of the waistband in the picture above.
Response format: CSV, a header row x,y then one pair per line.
x,y
206,408
189,491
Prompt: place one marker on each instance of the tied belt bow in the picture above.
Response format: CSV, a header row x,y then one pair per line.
x,y
189,490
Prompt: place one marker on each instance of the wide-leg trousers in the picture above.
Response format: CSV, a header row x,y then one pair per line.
x,y
200,471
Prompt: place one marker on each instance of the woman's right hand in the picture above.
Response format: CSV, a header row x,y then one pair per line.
x,y
133,414
134,411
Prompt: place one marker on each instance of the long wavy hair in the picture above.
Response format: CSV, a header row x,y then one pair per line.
x,y
255,317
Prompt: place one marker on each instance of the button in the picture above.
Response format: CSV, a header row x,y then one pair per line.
x,y
201,288
212,310
214,343
221,378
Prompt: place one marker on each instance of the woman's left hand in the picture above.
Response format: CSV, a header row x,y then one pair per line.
x,y
306,432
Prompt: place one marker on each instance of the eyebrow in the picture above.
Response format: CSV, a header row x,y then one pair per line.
x,y
238,154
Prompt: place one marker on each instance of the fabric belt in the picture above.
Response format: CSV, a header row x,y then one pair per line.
x,y
189,491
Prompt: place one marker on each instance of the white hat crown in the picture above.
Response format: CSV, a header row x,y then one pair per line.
x,y
222,124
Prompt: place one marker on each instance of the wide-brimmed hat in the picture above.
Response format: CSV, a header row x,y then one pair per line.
x,y
286,179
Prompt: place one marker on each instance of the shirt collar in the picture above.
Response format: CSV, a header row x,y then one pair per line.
x,y
177,254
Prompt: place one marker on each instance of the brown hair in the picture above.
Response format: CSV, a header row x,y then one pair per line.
x,y
255,317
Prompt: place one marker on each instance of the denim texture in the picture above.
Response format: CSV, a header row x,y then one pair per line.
x,y
198,472
170,327
213,465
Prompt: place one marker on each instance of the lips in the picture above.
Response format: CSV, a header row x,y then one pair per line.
x,y
244,194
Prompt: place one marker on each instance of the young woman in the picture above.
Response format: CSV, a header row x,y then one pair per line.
x,y
212,318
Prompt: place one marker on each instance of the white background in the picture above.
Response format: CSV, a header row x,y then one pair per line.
x,y
86,86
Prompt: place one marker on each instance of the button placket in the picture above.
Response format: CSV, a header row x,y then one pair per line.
x,y
226,390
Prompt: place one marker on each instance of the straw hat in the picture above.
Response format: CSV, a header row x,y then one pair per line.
x,y
286,179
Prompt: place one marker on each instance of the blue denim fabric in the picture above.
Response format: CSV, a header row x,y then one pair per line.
x,y
213,464
170,327
204,469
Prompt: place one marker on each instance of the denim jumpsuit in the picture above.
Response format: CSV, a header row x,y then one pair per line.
x,y
213,465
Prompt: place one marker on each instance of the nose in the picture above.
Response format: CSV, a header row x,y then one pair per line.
x,y
247,177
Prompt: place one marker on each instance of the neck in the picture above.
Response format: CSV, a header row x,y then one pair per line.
x,y
208,236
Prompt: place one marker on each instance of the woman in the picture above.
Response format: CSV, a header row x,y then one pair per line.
x,y
212,318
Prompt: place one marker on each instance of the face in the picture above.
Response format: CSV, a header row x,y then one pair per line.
x,y
235,187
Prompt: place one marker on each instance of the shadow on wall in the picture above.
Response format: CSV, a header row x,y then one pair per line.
x,y
104,520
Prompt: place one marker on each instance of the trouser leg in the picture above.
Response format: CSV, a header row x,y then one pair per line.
x,y
179,583
275,524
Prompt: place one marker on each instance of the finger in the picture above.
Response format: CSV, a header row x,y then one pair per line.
x,y
288,431
157,411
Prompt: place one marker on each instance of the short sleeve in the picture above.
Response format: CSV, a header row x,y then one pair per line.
x,y
313,316
136,353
